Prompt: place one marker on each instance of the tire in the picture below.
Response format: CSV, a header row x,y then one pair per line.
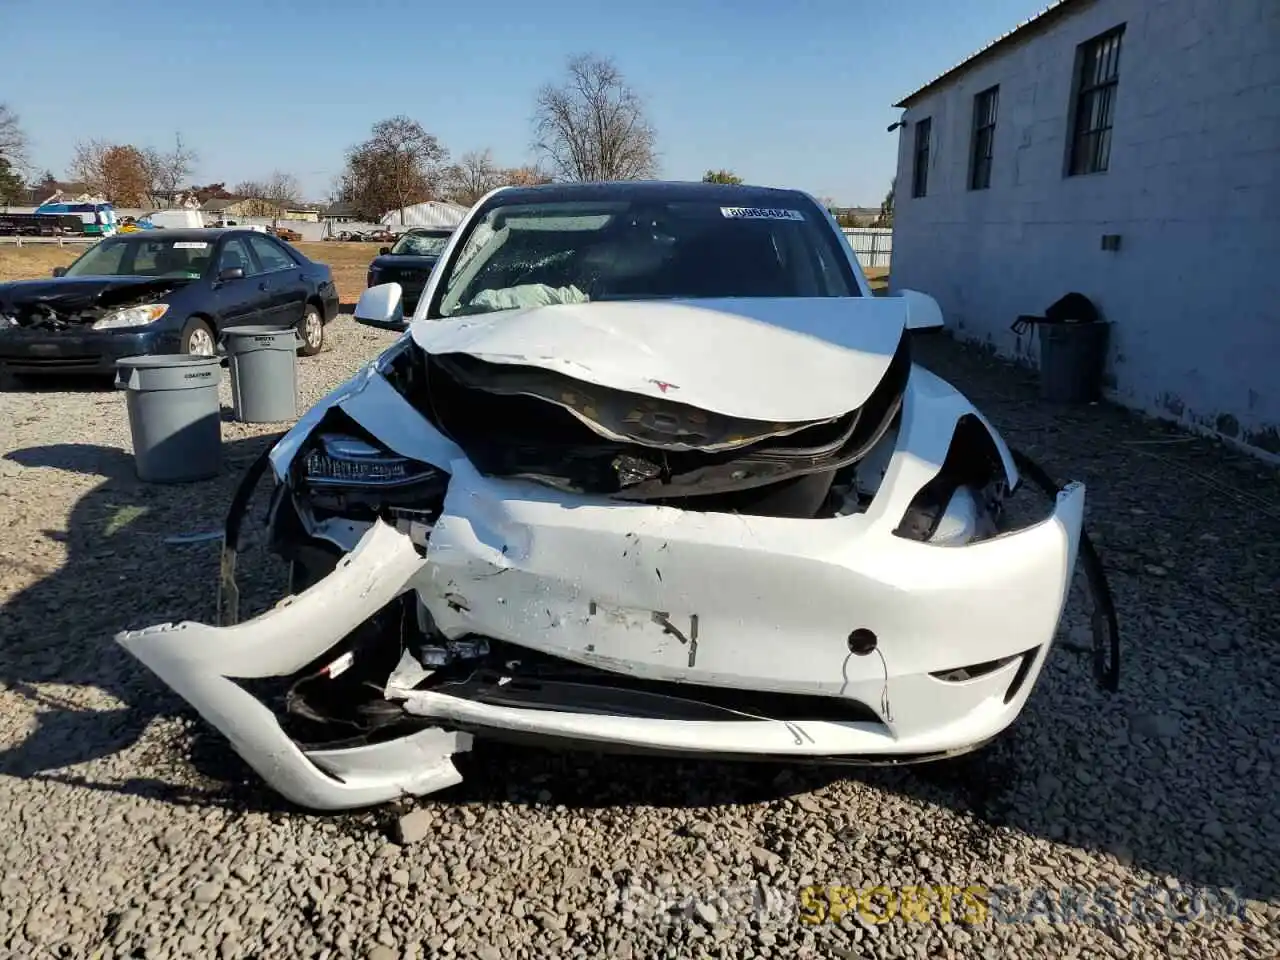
x,y
310,330
197,339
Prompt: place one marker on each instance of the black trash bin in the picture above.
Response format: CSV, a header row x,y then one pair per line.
x,y
1073,349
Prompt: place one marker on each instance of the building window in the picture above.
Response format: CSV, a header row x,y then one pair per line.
x,y
920,169
985,106
1098,73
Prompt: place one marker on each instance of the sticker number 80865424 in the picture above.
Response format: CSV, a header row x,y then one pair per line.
x,y
760,213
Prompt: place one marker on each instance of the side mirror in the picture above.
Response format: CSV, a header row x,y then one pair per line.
x,y
231,273
59,271
923,312
384,251
381,306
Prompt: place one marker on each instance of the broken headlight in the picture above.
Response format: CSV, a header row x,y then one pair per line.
x,y
339,460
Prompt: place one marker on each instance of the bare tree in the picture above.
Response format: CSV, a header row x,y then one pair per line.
x,y
13,140
400,164
168,169
472,177
118,172
525,176
593,125
282,191
271,197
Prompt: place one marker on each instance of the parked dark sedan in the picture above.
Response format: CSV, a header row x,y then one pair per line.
x,y
409,262
161,291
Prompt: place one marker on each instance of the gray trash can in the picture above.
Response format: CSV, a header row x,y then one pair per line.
x,y
264,373
1073,357
174,416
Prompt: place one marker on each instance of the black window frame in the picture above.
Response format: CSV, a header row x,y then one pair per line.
x,y
1093,103
255,238
252,267
986,110
920,158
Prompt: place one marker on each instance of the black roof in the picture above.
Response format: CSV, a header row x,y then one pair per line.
x,y
209,234
658,191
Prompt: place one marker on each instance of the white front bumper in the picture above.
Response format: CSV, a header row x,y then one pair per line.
x,y
581,578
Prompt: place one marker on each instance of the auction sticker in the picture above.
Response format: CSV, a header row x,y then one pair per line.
x,y
760,213
190,245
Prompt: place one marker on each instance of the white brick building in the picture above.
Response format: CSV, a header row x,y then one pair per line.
x,y
1152,123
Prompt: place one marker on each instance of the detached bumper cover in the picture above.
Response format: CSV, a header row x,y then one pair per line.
x,y
198,662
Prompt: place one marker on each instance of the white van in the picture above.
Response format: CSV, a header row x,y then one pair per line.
x,y
175,219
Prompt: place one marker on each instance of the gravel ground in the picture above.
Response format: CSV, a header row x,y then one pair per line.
x,y
136,833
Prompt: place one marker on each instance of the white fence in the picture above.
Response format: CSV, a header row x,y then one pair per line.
x,y
873,245
45,241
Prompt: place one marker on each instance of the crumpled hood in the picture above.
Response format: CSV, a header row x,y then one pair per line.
x,y
785,360
77,293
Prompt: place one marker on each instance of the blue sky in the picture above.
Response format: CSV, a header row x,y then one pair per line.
x,y
793,93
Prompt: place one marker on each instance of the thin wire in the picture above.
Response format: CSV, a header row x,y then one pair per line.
x,y
884,692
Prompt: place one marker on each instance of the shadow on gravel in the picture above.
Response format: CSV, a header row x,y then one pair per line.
x,y
1175,775
56,383
119,573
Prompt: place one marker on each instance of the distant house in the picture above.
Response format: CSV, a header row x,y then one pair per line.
x,y
251,207
306,212
1126,150
339,213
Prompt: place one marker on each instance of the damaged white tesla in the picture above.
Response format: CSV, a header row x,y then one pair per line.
x,y
650,469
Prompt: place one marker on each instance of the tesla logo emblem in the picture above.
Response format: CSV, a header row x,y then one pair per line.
x,y
664,387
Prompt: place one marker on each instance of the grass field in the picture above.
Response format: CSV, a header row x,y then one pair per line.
x,y
349,262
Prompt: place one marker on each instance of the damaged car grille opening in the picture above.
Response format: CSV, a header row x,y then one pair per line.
x,y
337,700
517,422
511,676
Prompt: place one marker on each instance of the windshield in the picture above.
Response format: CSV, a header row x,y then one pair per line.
x,y
421,244
579,251
139,255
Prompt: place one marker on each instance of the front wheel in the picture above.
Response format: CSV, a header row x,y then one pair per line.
x,y
197,338
310,331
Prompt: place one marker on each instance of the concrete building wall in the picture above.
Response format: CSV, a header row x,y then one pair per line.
x,y
1193,190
